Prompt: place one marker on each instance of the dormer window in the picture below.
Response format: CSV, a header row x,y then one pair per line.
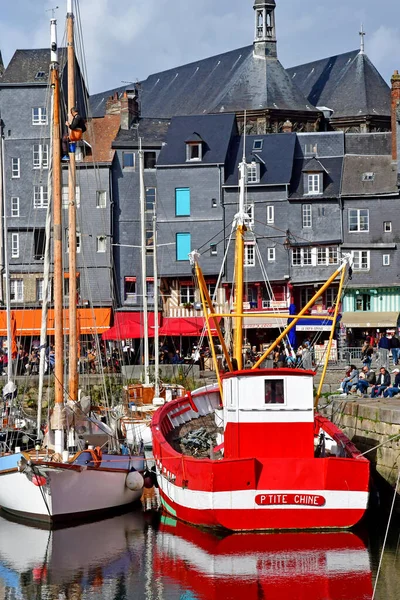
x,y
258,145
314,183
194,148
253,172
368,176
40,75
313,178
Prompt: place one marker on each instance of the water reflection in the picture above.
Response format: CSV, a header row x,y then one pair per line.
x,y
128,558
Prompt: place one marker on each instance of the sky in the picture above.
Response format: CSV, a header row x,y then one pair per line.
x,y
127,40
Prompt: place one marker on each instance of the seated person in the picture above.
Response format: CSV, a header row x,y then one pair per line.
x,y
367,378
395,389
350,381
382,382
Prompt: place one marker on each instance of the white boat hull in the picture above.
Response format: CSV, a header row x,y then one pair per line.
x,y
67,494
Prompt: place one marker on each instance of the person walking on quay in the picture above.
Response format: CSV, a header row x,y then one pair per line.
x,y
395,343
395,389
384,346
366,354
382,383
367,378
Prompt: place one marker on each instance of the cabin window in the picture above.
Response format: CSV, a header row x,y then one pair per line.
x,y
150,159
274,391
183,246
14,206
182,202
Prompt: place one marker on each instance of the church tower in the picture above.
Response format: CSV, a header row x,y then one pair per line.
x,y
265,33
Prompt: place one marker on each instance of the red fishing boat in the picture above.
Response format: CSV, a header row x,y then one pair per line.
x,y
251,453
329,565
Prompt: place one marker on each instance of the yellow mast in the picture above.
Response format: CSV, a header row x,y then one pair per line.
x,y
328,350
73,343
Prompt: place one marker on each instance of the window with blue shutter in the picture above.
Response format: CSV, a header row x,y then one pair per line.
x,y
183,246
182,202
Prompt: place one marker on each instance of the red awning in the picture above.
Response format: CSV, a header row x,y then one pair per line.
x,y
185,326
128,326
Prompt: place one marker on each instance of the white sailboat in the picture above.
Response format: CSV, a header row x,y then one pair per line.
x,y
50,484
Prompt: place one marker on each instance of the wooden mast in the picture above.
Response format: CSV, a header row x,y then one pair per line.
x,y
58,417
73,343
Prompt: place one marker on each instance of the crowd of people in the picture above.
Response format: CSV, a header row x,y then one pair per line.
x,y
368,384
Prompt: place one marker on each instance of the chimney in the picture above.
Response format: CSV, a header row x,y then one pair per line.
x,y
287,127
113,105
129,108
395,106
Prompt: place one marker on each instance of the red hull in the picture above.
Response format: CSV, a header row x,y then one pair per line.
x,y
256,493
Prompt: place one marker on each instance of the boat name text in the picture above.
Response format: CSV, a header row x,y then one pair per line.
x,y
290,499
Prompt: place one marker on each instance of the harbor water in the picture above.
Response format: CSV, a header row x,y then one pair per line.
x,y
137,556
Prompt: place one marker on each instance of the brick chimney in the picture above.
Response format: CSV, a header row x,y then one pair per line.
x,y
113,105
129,108
287,127
395,107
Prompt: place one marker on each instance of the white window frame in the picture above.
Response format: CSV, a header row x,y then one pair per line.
x,y
327,255
271,254
302,257
213,249
306,216
250,212
101,244
249,254
78,241
387,226
189,152
41,117
361,227
40,290
40,156
186,294
40,196
128,168
15,245
253,173
386,260
101,198
360,257
17,290
15,168
314,184
270,214
14,209
65,196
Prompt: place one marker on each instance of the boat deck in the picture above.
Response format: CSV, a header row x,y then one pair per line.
x,y
176,437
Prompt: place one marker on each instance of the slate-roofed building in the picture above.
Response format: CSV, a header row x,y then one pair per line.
x,y
349,89
247,79
25,110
